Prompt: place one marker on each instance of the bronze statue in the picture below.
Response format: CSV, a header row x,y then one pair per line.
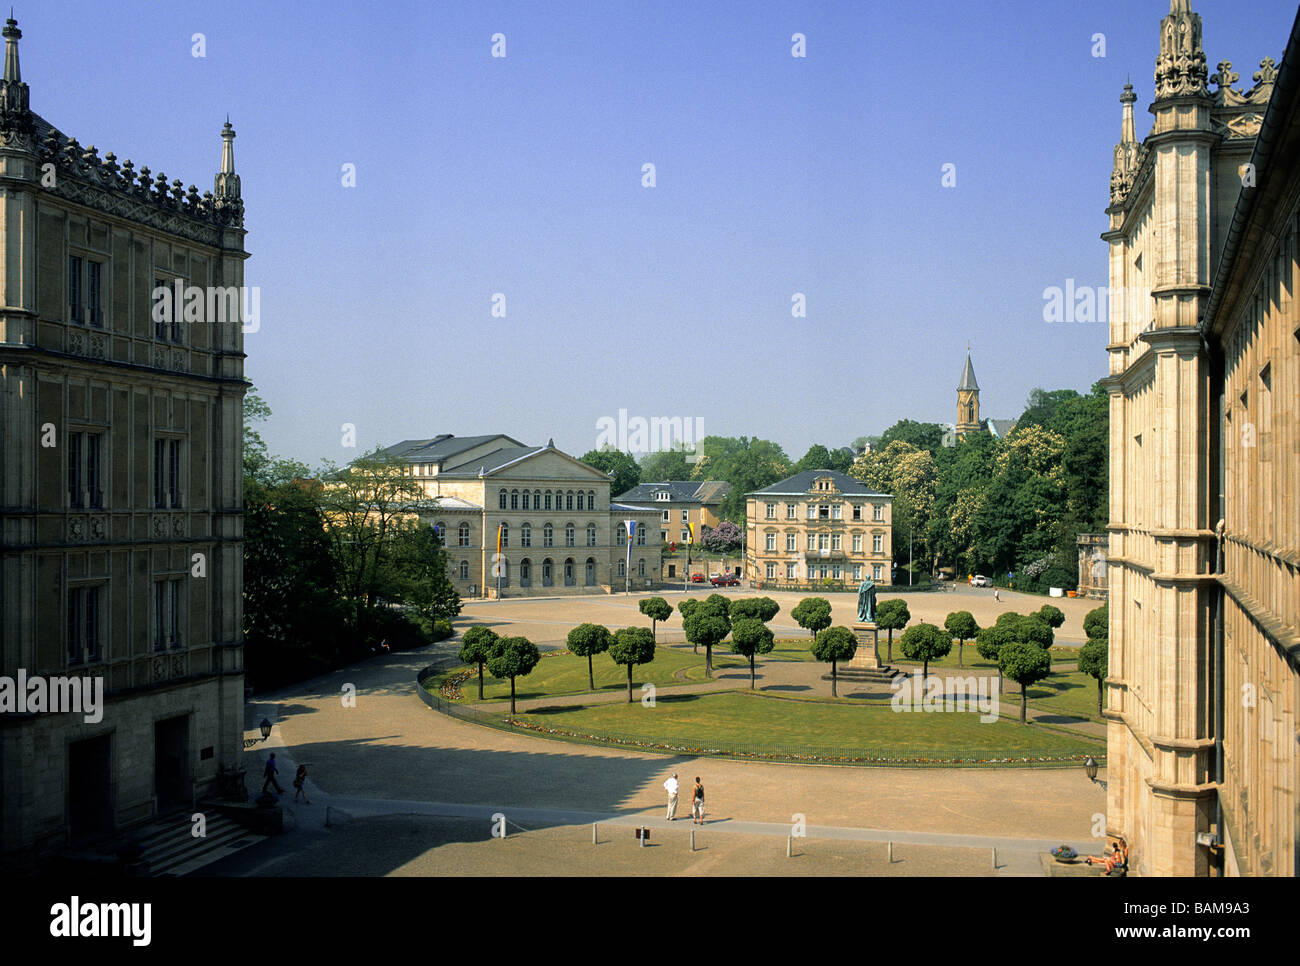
x,y
867,601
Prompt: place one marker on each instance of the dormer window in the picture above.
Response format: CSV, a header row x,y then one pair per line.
x,y
661,495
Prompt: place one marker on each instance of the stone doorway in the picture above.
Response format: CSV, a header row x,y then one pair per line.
x,y
171,767
90,788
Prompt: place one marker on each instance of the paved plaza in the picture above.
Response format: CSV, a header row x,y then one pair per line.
x,y
391,762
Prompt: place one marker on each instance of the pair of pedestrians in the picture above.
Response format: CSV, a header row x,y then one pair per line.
x,y
298,782
697,800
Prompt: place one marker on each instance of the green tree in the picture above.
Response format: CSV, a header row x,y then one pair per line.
x,y
587,640
622,468
1025,664
989,642
476,645
760,608
632,645
747,464
513,657
665,465
1096,623
750,636
926,436
834,644
812,614
686,607
1094,659
961,625
719,604
1054,616
657,609
415,572
706,627
925,643
893,615
819,457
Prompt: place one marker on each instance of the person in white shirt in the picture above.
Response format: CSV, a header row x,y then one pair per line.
x,y
671,787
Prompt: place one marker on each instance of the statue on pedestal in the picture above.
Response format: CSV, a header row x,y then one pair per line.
x,y
867,601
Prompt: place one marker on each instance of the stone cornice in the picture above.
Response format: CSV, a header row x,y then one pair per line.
x,y
1286,635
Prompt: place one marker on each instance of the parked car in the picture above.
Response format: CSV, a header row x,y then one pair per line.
x,y
725,580
979,580
697,578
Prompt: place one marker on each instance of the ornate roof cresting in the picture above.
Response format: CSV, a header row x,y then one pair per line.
x,y
1180,68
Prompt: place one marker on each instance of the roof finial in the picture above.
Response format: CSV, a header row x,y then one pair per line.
x,y
12,35
226,183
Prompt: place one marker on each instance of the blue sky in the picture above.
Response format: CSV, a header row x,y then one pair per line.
x,y
522,175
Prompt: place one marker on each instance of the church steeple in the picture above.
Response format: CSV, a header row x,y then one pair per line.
x,y
968,399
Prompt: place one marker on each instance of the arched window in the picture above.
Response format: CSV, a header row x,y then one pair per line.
x,y
526,495
591,499
505,535
548,536
620,536
462,535
570,533
622,568
464,570
591,534
537,499
514,499
548,499
548,573
502,501
440,529
582,500
526,534
590,572
568,572
640,567
568,500
525,573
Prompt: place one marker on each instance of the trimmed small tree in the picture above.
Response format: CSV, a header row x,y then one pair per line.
x,y
759,608
475,646
1054,616
513,657
657,609
750,636
1096,623
686,608
707,627
719,603
632,645
925,643
1094,660
587,640
892,615
1025,663
961,625
1035,629
989,642
813,614
833,644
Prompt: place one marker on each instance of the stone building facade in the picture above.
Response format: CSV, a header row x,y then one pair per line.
x,y
1204,556
120,483
1092,564
815,527
550,514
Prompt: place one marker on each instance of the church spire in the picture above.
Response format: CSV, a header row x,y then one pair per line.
x,y
226,183
12,35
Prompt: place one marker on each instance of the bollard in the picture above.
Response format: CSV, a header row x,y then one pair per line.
x,y
692,840
789,846
643,836
891,853
593,834
994,852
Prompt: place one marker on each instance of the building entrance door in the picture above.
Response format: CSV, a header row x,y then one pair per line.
x,y
171,767
90,787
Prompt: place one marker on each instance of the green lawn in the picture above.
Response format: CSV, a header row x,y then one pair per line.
x,y
1070,692
762,724
970,657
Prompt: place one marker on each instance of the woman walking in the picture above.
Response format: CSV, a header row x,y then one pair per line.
x,y
697,803
298,781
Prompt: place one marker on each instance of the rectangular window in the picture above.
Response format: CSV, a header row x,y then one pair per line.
x,y
160,328
823,512
167,614
75,490
877,512
94,308
875,571
771,511
877,543
84,643
857,511
166,473
837,512
812,541
174,602
857,571
667,517
857,543
835,572
771,542
686,516
74,289
159,615
94,495
686,536
663,536
812,511
790,542
640,537
835,541
526,537
789,511
771,571
823,541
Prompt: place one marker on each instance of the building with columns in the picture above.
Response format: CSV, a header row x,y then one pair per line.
x,y
1204,556
121,516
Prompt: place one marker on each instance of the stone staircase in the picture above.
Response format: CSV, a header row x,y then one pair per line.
x,y
170,848
872,675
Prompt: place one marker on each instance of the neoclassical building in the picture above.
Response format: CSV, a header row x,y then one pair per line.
x,y
121,519
815,526
1204,556
529,521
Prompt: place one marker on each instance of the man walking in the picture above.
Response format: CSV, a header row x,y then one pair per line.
x,y
671,787
271,772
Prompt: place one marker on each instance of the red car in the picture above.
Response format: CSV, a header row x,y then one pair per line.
x,y
697,578
725,580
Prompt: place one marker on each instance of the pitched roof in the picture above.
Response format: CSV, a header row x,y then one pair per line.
x,y
492,461
801,483
680,491
442,447
968,376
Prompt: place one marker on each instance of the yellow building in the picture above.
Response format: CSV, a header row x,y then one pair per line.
x,y
815,527
1204,555
529,521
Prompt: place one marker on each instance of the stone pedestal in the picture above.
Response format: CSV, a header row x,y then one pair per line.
x,y
867,656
